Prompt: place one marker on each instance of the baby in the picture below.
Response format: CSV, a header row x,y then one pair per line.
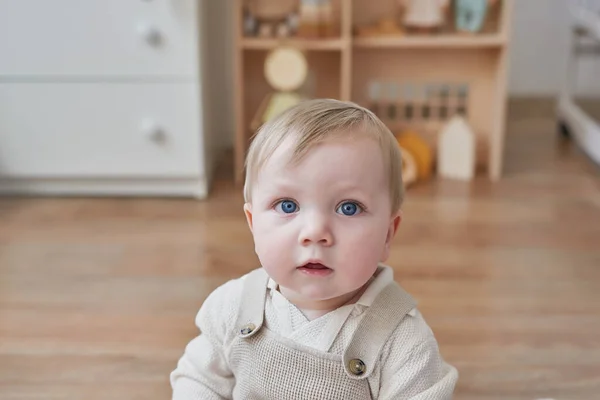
x,y
322,318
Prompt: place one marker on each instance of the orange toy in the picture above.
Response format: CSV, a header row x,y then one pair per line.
x,y
420,150
409,167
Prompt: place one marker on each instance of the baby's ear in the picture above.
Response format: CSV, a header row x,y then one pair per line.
x,y
248,212
392,229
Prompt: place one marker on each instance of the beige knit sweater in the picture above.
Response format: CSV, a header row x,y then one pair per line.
x,y
408,366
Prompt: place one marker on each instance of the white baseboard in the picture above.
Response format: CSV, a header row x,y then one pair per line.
x,y
108,187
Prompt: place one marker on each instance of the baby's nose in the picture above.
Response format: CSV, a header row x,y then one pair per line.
x,y
316,231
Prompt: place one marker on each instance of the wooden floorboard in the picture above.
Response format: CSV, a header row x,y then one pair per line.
x,y
98,296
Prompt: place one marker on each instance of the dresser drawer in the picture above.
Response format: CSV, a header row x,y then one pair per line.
x,y
100,130
98,38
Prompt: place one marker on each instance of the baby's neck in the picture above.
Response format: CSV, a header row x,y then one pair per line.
x,y
313,309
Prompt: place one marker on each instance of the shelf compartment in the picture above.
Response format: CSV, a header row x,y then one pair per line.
x,y
323,81
421,69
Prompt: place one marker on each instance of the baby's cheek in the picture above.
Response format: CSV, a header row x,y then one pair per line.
x,y
367,235
366,245
265,242
271,245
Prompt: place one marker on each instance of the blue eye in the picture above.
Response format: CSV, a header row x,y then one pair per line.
x,y
349,208
286,206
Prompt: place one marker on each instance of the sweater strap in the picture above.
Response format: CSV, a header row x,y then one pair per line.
x,y
379,322
252,307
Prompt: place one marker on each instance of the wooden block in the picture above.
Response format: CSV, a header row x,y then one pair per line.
x,y
456,150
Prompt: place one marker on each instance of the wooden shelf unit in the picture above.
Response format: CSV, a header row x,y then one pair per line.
x,y
342,67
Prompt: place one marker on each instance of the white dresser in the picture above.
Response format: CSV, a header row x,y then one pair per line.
x,y
104,97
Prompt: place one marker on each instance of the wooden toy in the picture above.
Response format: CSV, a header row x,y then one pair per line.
x,y
384,27
416,103
462,100
394,106
408,101
424,16
470,14
286,70
420,150
374,97
456,150
250,25
409,167
315,19
271,16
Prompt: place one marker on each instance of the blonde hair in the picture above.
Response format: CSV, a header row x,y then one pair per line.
x,y
314,121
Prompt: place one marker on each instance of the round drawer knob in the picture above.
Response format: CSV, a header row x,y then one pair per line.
x,y
150,34
153,132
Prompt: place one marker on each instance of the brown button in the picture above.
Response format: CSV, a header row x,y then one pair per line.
x,y
248,329
357,367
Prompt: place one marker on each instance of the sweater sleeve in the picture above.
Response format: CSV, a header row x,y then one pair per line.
x,y
413,367
203,372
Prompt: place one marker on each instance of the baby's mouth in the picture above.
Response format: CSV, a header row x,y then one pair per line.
x,y
313,268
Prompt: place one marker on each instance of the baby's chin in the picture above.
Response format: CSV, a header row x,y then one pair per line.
x,y
319,297
309,292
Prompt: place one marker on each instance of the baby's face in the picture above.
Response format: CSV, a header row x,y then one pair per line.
x,y
322,225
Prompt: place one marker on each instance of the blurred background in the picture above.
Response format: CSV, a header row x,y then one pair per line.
x,y
123,130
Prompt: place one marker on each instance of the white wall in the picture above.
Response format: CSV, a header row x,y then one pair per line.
x,y
540,50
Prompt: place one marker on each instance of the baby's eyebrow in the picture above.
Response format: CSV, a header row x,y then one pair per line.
x,y
349,187
279,190
283,185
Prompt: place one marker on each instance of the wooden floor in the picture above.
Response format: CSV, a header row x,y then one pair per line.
x,y
98,297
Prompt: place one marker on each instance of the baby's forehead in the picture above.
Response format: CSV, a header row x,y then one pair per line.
x,y
345,158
